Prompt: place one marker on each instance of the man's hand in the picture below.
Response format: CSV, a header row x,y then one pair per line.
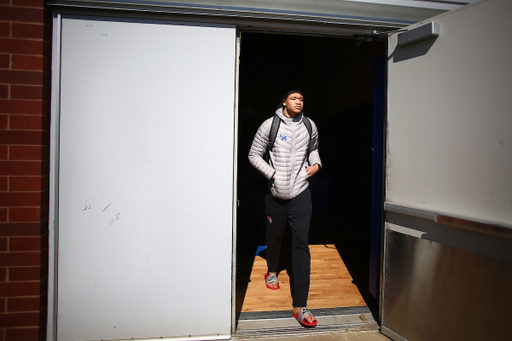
x,y
311,170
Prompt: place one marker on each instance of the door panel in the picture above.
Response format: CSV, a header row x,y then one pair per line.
x,y
146,180
449,140
435,292
449,154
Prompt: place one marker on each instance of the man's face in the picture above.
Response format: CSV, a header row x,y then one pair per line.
x,y
294,104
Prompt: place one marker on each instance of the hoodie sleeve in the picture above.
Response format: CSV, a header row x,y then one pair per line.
x,y
314,156
258,149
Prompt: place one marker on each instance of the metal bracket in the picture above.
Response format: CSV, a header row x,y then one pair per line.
x,y
361,39
430,30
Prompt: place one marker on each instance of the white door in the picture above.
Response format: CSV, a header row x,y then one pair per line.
x,y
146,180
449,121
448,178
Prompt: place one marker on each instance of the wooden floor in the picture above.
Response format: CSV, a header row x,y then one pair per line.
x,y
331,284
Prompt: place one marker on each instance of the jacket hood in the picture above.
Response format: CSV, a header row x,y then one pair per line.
x,y
287,120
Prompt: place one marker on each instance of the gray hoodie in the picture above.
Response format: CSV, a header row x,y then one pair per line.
x,y
292,153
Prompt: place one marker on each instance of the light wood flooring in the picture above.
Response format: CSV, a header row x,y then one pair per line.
x,y
331,284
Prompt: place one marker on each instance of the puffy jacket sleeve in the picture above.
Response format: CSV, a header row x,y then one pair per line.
x,y
314,156
258,149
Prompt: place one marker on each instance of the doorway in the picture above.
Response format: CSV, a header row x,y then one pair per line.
x,y
337,78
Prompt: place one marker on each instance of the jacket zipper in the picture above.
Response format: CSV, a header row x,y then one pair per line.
x,y
292,177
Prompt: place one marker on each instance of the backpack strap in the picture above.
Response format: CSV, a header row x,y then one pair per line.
x,y
276,121
308,125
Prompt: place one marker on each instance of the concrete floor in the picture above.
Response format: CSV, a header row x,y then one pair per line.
x,y
373,335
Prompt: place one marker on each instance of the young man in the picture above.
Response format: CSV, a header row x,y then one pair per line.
x,y
292,160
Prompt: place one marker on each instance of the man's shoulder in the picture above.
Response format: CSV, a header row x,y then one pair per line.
x,y
267,123
306,117
313,124
269,120
265,126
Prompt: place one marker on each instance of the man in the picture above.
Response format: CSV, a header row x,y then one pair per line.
x,y
292,160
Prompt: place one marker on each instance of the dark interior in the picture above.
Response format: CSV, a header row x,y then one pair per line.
x,y
337,78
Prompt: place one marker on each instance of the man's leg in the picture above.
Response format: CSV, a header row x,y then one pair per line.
x,y
277,218
300,220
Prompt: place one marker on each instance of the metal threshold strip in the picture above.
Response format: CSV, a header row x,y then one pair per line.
x,y
282,323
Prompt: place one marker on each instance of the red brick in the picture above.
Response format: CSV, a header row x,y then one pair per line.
x,y
25,214
29,3
47,65
47,48
27,63
5,61
32,273
4,91
22,168
20,199
29,92
3,244
23,334
28,31
3,301
21,107
4,2
5,30
23,229
34,153
26,122
24,243
22,46
19,320
48,31
4,152
24,304
28,183
11,289
21,77
3,183
31,15
20,259
3,219
4,120
23,137
3,276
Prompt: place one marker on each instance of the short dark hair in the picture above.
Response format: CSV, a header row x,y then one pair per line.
x,y
289,92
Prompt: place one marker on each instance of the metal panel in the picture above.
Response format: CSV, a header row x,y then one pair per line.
x,y
502,230
146,180
51,329
385,14
449,141
437,292
448,260
481,243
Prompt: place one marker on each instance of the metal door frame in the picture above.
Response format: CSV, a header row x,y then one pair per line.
x,y
297,27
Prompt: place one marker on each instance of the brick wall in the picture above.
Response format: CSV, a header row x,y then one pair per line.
x,y
25,48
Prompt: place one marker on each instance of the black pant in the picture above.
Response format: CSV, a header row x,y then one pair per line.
x,y
297,212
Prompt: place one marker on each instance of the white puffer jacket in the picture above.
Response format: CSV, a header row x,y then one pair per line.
x,y
288,157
